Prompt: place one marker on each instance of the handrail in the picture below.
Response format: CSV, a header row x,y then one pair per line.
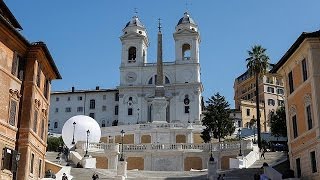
x,y
222,146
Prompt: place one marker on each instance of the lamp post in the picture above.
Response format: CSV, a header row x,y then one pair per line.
x,y
239,131
211,136
122,135
74,128
88,133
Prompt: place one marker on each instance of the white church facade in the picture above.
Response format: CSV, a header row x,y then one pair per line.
x,y
181,77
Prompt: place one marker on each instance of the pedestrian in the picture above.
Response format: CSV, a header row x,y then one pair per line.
x,y
223,176
95,176
64,176
262,153
219,177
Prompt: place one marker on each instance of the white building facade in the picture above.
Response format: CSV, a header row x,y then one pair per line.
x,y
100,104
182,83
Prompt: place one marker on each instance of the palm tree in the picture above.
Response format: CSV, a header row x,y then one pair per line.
x,y
257,64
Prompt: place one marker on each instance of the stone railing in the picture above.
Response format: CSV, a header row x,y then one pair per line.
x,y
162,125
222,146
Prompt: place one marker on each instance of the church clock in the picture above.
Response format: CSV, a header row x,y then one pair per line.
x,y
131,77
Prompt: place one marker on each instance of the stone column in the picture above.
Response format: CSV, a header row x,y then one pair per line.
x,y
121,170
212,169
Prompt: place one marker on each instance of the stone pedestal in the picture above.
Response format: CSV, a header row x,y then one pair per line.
x,y
212,170
159,108
88,162
121,170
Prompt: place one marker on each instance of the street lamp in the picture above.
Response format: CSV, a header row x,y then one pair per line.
x,y
239,131
88,133
122,135
74,128
211,136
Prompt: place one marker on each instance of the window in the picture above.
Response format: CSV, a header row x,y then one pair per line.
x,y
271,102
116,110
46,89
313,161
280,91
92,104
55,125
130,111
68,109
103,124
298,167
104,108
304,70
69,98
42,129
116,97
104,97
40,164
13,112
79,109
186,109
91,115
280,103
150,80
31,163
290,79
186,52
56,110
7,159
166,80
79,98
35,121
38,74
294,126
132,54
309,117
270,89
269,80
14,67
186,102
57,98
248,112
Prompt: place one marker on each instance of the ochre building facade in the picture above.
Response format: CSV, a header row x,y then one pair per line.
x,y
26,72
300,69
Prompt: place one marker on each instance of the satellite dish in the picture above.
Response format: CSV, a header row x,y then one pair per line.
x,y
75,129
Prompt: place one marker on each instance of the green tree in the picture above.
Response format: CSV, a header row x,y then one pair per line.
x,y
217,118
278,123
257,64
54,143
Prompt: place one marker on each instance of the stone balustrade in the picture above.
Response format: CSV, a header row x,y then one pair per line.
x,y
206,147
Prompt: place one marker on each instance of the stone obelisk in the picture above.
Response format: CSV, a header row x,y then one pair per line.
x,y
159,103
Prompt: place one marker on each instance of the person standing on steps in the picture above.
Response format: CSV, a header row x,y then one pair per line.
x,y
262,153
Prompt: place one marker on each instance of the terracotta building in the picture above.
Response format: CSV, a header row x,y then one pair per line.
x,y
26,72
300,70
271,95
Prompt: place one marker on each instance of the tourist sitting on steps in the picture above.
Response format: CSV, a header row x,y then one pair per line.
x,y
95,176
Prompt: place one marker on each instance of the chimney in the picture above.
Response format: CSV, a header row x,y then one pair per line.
x,y
97,87
72,89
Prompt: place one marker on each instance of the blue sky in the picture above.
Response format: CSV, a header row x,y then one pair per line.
x,y
83,36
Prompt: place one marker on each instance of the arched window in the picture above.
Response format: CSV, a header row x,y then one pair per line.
x,y
186,53
153,80
103,124
186,103
132,54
